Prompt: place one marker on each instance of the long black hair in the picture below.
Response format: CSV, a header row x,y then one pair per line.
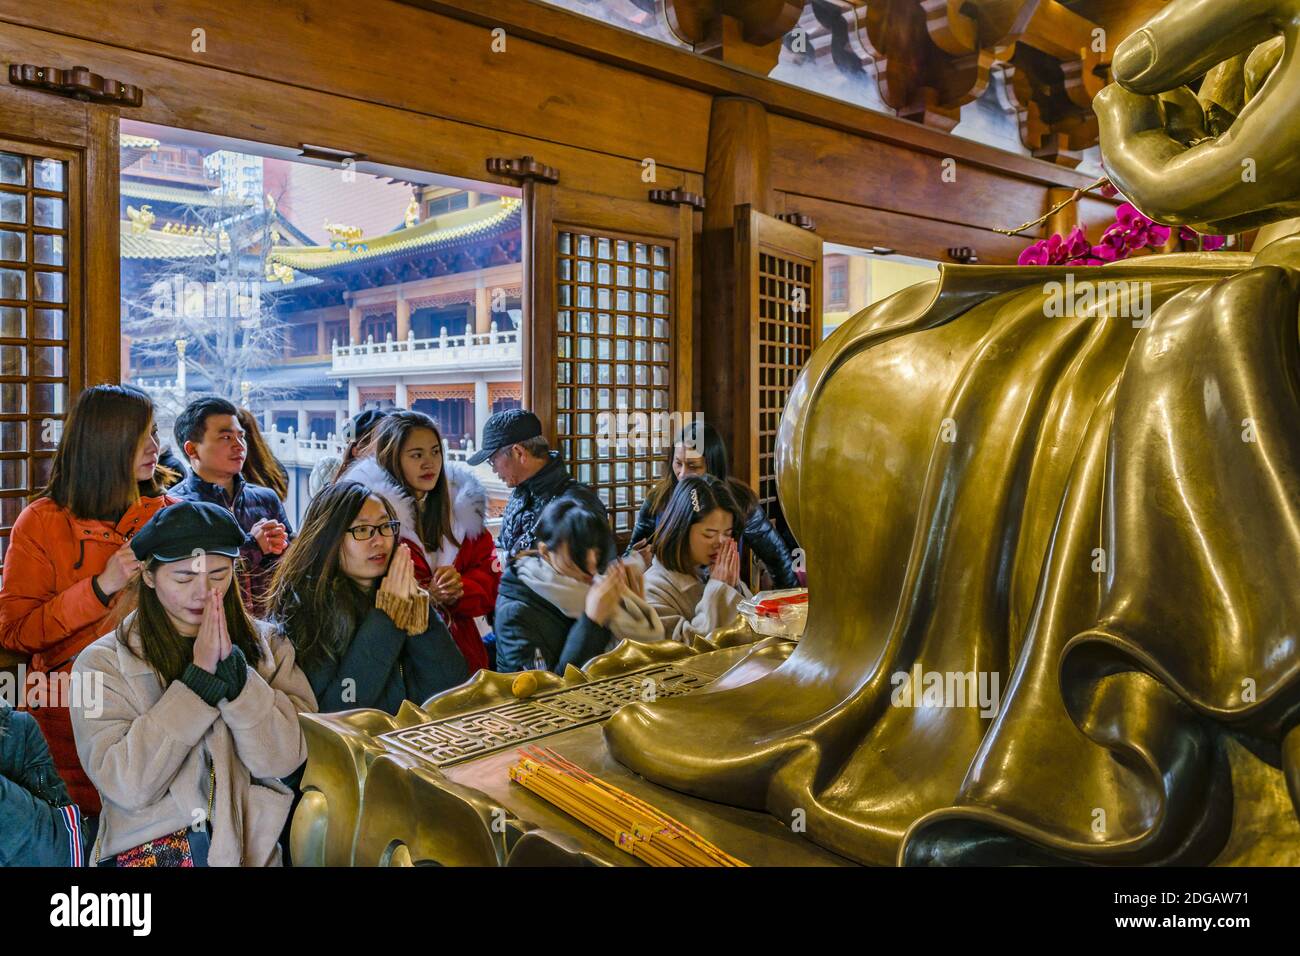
x,y
315,605
694,498
693,435
434,513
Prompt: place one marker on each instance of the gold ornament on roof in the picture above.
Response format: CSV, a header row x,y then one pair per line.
x,y
278,272
141,219
412,213
343,237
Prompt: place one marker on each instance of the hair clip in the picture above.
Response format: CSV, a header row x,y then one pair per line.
x,y
695,499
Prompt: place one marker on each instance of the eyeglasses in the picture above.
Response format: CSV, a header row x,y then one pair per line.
x,y
364,532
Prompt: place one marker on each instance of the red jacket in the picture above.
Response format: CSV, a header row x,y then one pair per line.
x,y
475,558
48,608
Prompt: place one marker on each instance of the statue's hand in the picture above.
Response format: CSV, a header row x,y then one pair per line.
x,y
1249,175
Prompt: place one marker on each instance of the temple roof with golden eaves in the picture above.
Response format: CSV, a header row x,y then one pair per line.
x,y
157,244
196,196
476,222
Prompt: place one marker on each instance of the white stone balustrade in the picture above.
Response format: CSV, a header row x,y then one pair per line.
x,y
490,349
291,449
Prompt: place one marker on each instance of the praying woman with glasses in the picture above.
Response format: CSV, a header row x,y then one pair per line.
x,y
348,600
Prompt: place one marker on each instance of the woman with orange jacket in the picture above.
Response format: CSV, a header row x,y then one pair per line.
x,y
68,556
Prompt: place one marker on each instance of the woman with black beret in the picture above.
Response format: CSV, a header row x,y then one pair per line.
x,y
198,718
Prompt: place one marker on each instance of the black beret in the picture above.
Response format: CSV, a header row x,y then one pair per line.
x,y
363,423
177,531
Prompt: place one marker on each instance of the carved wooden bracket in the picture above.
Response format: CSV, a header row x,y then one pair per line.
x,y
523,169
677,197
78,83
932,57
964,254
744,32
799,219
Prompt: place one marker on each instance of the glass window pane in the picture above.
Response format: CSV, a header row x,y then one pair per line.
x,y
13,207
13,284
13,246
48,250
13,360
49,287
13,436
13,322
13,169
48,360
10,509
12,398
49,398
48,211
49,324
50,175
13,474
46,433
41,471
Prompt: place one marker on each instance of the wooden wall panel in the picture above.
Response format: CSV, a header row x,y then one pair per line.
x,y
828,164
213,101
395,55
909,235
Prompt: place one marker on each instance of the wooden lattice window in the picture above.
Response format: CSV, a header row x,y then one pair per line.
x,y
38,293
614,296
786,336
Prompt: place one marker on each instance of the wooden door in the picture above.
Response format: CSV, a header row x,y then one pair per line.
x,y
609,331
779,310
58,268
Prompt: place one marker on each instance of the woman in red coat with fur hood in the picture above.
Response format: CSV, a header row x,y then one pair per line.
x,y
442,508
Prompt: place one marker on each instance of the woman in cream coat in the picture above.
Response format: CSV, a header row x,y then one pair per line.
x,y
198,716
694,580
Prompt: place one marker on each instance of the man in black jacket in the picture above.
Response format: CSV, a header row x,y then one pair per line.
x,y
522,458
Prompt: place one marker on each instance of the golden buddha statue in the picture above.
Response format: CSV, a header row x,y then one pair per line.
x,y
1056,630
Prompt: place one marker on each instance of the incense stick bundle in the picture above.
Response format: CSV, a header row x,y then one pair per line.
x,y
633,825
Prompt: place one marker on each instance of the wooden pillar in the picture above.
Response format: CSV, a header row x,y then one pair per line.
x,y
482,309
736,172
403,317
354,324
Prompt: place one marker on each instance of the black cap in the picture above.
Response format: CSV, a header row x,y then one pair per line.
x,y
506,428
363,423
178,530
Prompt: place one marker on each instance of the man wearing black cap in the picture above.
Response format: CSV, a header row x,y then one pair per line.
x,y
521,457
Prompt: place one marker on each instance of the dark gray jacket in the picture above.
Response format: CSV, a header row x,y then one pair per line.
x,y
382,667
529,500
39,824
527,623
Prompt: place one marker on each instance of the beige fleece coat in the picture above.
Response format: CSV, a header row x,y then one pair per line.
x,y
688,604
148,751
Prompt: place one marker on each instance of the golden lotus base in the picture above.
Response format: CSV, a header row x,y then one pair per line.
x,y
431,785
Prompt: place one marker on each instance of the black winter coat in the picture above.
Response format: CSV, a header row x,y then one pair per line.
x,y
38,821
530,499
385,667
758,534
526,622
